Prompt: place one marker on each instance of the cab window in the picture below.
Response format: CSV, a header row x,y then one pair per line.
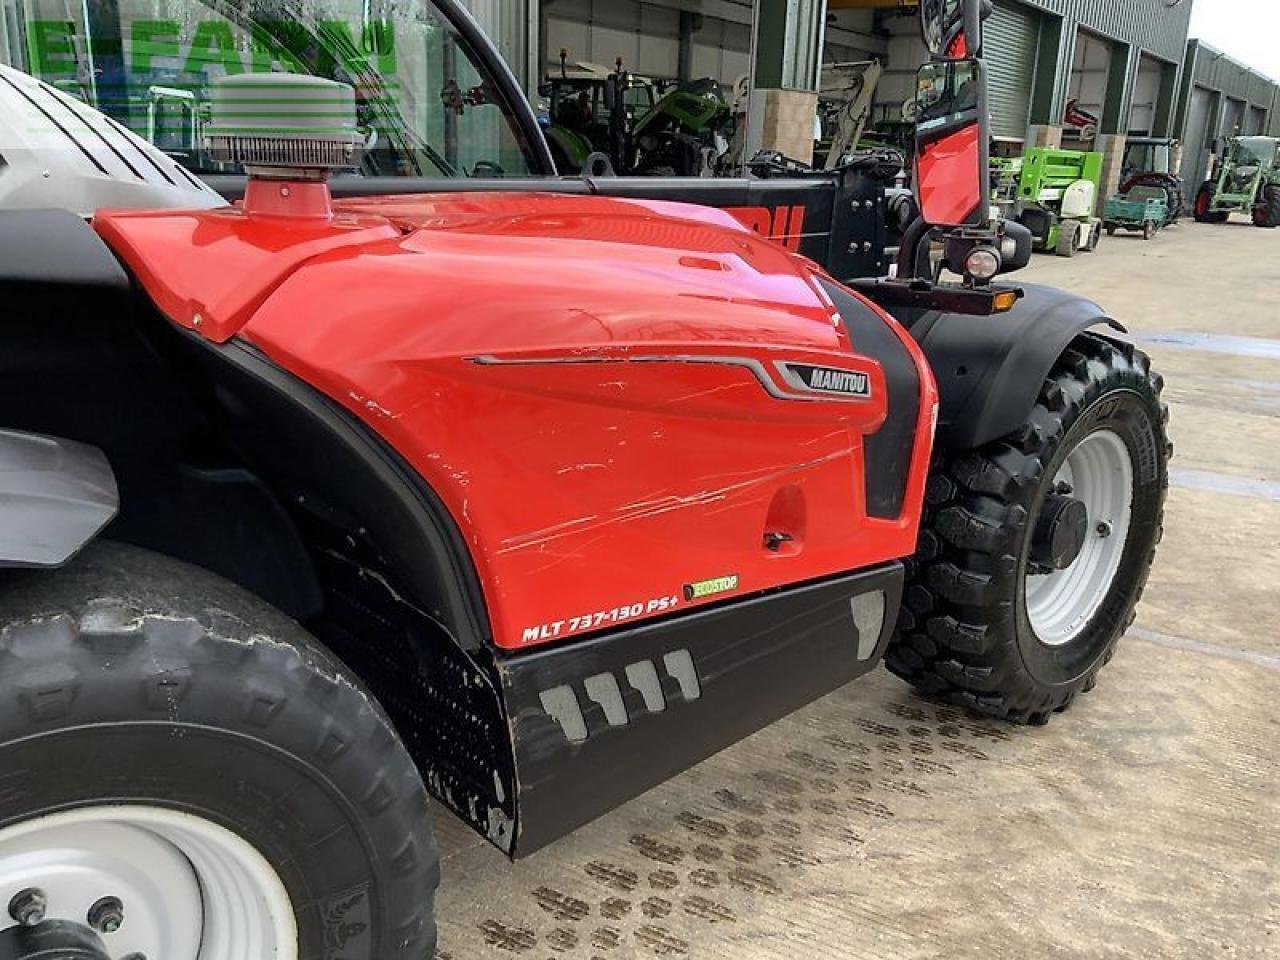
x,y
425,106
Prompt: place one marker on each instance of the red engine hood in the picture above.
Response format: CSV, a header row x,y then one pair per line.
x,y
696,266
609,396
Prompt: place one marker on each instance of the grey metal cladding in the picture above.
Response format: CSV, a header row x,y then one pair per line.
x,y
55,496
1214,70
1150,24
1010,38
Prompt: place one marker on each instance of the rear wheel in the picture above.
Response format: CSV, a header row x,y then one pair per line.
x,y
1267,212
1095,236
1035,549
1171,185
1148,229
201,779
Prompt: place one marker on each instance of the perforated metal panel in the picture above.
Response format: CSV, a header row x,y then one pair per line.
x,y
1010,40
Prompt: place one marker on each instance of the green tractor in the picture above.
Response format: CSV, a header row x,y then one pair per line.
x,y
1247,181
1057,199
601,120
684,135
590,109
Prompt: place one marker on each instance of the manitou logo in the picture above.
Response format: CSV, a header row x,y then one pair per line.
x,y
830,380
784,224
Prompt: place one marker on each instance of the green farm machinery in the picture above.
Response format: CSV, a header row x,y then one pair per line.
x,y
1144,209
1057,198
1247,181
1152,162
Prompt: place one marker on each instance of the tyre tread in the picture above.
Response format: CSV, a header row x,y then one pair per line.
x,y
259,672
954,640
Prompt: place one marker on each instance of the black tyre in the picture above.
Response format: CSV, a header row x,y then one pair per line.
x,y
1068,238
1095,236
1170,184
1148,229
1111,229
1001,523
147,696
1204,201
565,164
1267,212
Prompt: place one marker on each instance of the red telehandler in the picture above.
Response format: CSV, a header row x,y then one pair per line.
x,y
528,497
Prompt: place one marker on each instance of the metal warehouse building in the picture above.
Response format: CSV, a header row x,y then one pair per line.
x,y
1117,68
1120,61
1120,58
1220,97
1125,62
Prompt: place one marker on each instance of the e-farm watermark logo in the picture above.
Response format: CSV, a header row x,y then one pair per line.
x,y
142,49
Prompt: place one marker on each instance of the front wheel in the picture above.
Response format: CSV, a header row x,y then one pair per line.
x,y
1267,212
1204,207
1035,549
1068,238
1094,227
200,779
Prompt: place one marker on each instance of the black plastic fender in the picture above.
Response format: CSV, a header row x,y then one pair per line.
x,y
989,370
52,261
55,496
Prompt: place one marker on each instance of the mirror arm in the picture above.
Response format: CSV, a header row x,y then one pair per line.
x,y
913,249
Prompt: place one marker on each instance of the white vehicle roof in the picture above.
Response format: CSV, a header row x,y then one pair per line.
x,y
58,152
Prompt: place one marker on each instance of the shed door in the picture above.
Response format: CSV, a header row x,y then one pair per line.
x,y
1257,125
1233,118
1011,36
1195,151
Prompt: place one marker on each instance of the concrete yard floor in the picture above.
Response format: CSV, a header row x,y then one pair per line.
x,y
1145,822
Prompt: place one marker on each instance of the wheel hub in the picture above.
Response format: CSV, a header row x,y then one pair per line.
x,y
51,940
1060,533
132,882
1079,538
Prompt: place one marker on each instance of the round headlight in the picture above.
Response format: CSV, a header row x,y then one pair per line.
x,y
982,263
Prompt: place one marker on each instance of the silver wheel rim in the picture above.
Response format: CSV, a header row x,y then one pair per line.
x,y
190,889
1060,604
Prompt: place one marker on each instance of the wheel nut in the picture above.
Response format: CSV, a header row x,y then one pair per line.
x,y
107,915
1104,529
28,906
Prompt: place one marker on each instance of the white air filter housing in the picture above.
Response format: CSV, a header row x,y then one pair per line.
x,y
284,125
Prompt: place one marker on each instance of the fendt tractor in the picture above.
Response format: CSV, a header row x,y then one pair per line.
x,y
1247,181
524,492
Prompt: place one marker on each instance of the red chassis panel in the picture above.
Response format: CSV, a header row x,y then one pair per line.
x,y
606,394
